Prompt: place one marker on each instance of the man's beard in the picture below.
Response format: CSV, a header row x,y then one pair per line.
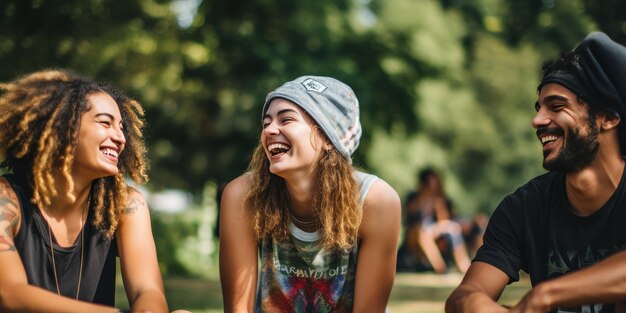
x,y
577,152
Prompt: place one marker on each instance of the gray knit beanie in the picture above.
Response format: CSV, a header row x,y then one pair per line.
x,y
332,105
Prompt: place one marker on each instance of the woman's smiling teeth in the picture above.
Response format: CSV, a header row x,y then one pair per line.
x,y
277,148
109,152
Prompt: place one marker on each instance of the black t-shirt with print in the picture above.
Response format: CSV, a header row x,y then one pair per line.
x,y
534,230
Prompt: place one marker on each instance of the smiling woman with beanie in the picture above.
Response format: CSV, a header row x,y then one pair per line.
x,y
306,213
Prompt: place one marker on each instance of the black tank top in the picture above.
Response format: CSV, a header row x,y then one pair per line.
x,y
32,243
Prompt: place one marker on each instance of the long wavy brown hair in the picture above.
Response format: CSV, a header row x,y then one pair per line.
x,y
336,200
40,115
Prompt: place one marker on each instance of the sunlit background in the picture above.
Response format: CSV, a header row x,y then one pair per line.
x,y
449,84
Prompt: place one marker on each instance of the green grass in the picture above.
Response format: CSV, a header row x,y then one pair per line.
x,y
427,292
412,292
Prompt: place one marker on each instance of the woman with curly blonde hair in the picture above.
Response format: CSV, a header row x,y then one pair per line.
x,y
306,213
65,208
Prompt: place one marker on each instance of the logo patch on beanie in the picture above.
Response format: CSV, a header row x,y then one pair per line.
x,y
313,85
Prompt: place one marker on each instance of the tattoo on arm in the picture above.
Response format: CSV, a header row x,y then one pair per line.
x,y
8,221
133,204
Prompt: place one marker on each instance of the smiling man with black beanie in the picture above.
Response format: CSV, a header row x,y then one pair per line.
x,y
564,228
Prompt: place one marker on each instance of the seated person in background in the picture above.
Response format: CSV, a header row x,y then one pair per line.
x,y
428,220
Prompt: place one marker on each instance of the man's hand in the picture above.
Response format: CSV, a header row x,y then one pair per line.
x,y
534,301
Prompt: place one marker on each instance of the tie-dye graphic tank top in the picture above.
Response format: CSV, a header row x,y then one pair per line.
x,y
297,275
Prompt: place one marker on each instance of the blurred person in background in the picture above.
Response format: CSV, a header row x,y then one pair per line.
x,y
303,230
66,211
565,228
430,228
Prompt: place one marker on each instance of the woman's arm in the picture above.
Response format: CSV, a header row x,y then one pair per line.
x,y
238,249
138,258
379,234
16,295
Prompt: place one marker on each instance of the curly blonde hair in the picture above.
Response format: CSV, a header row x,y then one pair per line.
x,y
40,116
335,202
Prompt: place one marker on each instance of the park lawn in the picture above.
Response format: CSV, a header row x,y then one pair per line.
x,y
412,292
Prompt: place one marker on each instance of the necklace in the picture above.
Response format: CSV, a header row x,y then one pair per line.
x,y
82,245
301,222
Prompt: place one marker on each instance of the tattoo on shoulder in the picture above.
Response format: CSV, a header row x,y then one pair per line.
x,y
133,205
8,221
6,244
7,200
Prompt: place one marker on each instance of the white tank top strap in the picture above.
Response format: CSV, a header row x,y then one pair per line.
x,y
365,182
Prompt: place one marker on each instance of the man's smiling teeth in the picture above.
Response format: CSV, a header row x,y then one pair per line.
x,y
547,139
108,151
277,148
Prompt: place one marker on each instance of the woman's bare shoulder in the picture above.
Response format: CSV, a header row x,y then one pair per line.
x,y
381,209
239,186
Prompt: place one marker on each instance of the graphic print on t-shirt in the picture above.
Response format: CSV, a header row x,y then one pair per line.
x,y
297,274
558,265
306,278
575,260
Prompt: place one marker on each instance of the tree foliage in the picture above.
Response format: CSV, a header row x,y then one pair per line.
x,y
448,83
